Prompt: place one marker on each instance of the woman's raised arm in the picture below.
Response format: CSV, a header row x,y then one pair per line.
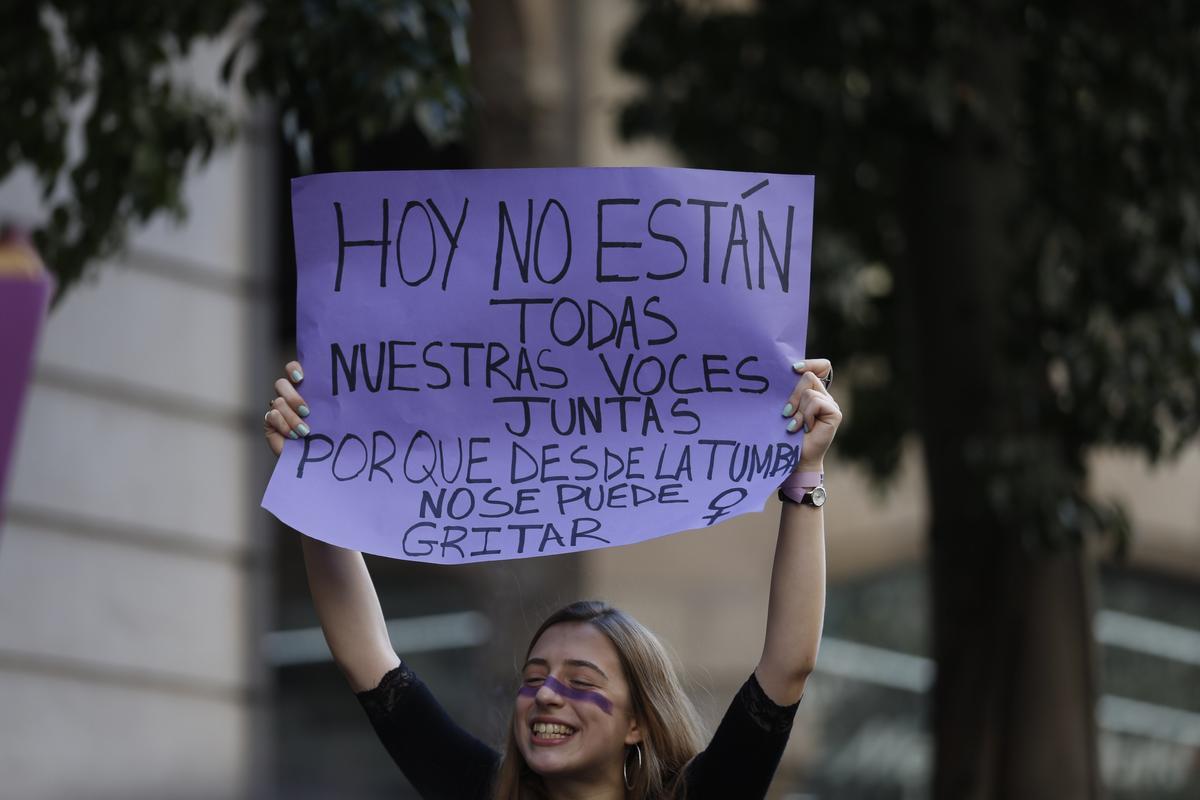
x,y
796,608
341,586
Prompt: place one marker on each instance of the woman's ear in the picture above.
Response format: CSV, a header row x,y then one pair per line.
x,y
634,734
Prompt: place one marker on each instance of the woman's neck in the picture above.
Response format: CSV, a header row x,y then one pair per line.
x,y
574,789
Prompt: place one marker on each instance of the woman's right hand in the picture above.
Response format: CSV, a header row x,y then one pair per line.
x,y
343,594
285,417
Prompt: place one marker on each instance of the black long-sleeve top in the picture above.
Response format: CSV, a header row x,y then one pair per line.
x,y
444,762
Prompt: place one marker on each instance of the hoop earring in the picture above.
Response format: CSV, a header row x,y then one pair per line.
x,y
625,765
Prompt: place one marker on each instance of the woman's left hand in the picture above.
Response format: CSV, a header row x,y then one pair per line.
x,y
812,409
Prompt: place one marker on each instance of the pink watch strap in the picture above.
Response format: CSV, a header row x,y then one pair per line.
x,y
799,484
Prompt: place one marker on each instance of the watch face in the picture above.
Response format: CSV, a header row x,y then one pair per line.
x,y
818,496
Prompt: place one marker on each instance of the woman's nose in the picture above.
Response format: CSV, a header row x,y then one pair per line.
x,y
546,695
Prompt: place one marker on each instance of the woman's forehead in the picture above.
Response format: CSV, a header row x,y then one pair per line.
x,y
576,641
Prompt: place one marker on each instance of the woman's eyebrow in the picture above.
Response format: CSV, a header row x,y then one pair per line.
x,y
571,662
579,662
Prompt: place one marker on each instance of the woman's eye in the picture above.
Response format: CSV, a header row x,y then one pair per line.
x,y
534,680
584,684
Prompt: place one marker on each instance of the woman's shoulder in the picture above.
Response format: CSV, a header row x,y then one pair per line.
x,y
744,753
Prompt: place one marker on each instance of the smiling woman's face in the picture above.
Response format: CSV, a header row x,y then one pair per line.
x,y
573,717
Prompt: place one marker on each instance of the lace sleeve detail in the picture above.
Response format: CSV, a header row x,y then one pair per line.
x,y
765,712
385,697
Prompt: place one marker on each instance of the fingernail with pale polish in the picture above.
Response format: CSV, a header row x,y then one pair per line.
x,y
297,375
292,435
799,365
303,411
303,429
788,410
795,423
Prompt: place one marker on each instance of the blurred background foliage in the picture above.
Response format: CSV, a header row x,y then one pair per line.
x,y
95,109
1100,128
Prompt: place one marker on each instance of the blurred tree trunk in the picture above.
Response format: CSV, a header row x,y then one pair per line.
x,y
504,137
503,123
1014,697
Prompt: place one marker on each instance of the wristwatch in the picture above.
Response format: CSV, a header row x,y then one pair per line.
x,y
804,488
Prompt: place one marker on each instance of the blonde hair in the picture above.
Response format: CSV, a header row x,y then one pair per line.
x,y
671,732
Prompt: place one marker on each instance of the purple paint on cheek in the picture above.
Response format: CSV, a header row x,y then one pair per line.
x,y
562,690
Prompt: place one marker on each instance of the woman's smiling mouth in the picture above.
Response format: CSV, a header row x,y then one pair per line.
x,y
550,732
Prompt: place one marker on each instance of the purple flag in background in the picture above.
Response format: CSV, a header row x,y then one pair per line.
x,y
23,302
514,363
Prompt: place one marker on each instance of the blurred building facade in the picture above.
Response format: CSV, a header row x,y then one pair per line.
x,y
137,574
133,568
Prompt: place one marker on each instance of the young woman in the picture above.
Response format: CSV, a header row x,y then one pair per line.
x,y
600,713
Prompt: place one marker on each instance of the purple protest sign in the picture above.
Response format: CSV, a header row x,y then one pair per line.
x,y
514,363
